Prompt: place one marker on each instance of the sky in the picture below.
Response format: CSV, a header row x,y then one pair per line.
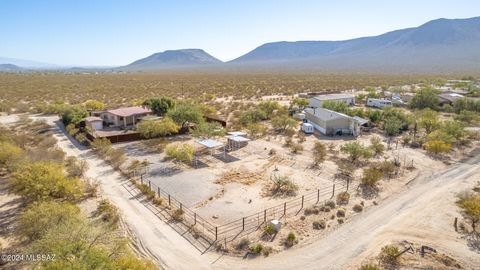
x,y
117,32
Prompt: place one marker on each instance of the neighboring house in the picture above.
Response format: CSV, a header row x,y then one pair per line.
x,y
124,117
378,103
449,97
94,122
332,123
316,102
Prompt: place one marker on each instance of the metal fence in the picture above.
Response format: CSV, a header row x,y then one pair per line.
x,y
209,233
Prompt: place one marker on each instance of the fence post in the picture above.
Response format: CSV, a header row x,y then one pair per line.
x,y
141,179
181,206
243,224
348,183
265,215
318,195
303,197
285,208
216,233
169,201
158,191
194,218
149,184
333,191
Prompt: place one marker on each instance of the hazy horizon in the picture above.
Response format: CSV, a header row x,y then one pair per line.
x,y
113,33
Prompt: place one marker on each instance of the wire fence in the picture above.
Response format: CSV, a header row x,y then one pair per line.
x,y
207,232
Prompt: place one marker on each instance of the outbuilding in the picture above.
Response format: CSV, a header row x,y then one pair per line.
x,y
317,101
331,123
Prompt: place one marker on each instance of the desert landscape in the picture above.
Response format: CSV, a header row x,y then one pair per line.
x,y
357,150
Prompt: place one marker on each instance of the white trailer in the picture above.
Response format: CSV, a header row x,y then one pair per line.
x,y
378,103
307,128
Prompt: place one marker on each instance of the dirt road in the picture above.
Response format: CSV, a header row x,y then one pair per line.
x,y
401,215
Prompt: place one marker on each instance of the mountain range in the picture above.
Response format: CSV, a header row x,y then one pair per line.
x,y
442,45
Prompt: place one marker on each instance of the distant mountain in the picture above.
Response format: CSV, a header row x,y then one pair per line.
x,y
25,63
9,68
438,45
174,59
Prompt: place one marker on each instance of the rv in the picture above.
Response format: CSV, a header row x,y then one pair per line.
x,y
378,103
307,128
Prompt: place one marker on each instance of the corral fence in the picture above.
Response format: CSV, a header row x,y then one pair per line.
x,y
209,234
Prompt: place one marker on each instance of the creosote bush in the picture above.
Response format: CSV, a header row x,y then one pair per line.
x,y
343,197
341,213
256,249
390,255
357,208
291,239
180,151
177,214
319,224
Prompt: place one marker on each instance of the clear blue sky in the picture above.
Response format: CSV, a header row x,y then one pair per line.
x,y
116,32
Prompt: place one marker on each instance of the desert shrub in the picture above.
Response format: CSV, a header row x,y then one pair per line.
x,y
437,147
159,128
368,267
370,177
319,153
388,168
468,117
108,212
185,114
93,105
242,244
177,214
180,151
73,115
341,213
291,239
319,224
43,180
146,190
356,150
101,146
425,98
283,122
270,229
116,157
390,255
357,208
160,106
207,130
469,203
38,218
330,204
377,146
268,107
340,220
75,167
283,185
158,201
256,130
71,130
296,147
312,210
256,249
9,154
428,119
81,138
252,116
343,197
324,208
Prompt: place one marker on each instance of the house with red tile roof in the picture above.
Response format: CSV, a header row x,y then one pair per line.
x,y
125,117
